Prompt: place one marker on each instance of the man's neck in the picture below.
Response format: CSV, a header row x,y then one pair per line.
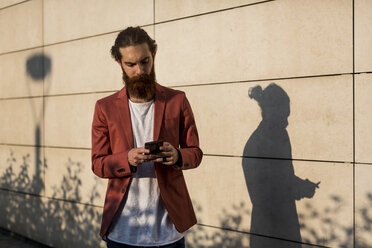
x,y
139,100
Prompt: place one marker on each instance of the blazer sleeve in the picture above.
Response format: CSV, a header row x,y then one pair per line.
x,y
191,154
104,163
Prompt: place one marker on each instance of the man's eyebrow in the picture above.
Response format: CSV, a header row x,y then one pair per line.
x,y
129,63
134,63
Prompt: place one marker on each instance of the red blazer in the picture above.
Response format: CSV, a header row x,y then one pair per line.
x,y
112,139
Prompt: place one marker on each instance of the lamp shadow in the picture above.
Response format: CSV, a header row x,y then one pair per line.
x,y
269,174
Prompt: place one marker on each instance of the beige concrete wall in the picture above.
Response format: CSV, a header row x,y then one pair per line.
x,y
312,59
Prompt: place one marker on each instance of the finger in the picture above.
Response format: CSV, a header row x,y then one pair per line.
x,y
158,160
168,163
143,157
142,150
166,147
151,157
166,154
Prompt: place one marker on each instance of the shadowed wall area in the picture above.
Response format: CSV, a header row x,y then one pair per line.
x,y
280,91
51,221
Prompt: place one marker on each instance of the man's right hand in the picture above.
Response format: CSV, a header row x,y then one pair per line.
x,y
138,156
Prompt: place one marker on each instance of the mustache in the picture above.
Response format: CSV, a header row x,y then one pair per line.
x,y
143,78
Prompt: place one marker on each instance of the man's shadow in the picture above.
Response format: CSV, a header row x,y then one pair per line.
x,y
267,164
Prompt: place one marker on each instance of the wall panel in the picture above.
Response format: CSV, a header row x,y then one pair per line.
x,y
250,195
20,74
320,116
363,35
271,40
21,26
21,121
166,10
363,117
363,205
69,19
69,176
68,120
22,169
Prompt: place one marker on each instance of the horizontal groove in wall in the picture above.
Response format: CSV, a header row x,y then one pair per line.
x,y
194,85
212,12
362,72
20,98
260,235
12,5
265,80
362,163
41,146
57,95
206,154
286,159
67,41
50,198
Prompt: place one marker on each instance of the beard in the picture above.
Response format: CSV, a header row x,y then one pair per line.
x,y
141,86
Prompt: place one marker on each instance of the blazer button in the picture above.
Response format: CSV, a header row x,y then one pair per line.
x,y
186,165
122,191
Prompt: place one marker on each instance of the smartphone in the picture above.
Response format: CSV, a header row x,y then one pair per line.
x,y
154,146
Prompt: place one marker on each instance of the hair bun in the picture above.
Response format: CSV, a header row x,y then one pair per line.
x,y
255,93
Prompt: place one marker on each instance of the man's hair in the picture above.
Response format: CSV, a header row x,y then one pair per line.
x,y
129,37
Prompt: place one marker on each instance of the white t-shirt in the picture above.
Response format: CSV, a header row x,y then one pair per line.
x,y
144,220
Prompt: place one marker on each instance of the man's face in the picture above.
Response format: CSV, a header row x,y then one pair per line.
x,y
136,60
138,71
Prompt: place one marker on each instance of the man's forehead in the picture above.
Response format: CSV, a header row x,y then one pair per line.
x,y
134,53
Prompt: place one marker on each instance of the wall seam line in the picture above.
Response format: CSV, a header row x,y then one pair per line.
x,y
212,12
12,5
354,126
42,162
49,198
189,85
260,235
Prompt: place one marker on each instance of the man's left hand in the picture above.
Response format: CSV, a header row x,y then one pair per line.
x,y
169,154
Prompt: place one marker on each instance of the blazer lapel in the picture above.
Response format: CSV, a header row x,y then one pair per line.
x,y
125,120
159,110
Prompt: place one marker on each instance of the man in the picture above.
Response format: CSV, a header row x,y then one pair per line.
x,y
147,203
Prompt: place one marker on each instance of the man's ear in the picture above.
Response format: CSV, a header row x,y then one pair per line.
x,y
119,62
154,53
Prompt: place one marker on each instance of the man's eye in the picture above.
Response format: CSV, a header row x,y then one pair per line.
x,y
144,61
130,65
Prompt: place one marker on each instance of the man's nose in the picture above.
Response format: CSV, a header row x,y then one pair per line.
x,y
140,69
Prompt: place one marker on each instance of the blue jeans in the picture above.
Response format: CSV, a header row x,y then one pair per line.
x,y
179,244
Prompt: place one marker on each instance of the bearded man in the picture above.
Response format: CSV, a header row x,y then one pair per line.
x,y
147,203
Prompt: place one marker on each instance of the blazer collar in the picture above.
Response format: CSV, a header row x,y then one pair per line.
x,y
124,113
159,110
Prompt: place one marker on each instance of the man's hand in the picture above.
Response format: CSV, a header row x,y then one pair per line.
x,y
168,155
138,156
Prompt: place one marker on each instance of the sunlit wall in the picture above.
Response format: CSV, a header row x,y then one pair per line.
x,y
280,93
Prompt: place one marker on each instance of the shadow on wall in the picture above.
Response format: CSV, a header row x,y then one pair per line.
x,y
38,66
327,228
60,223
272,184
273,189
